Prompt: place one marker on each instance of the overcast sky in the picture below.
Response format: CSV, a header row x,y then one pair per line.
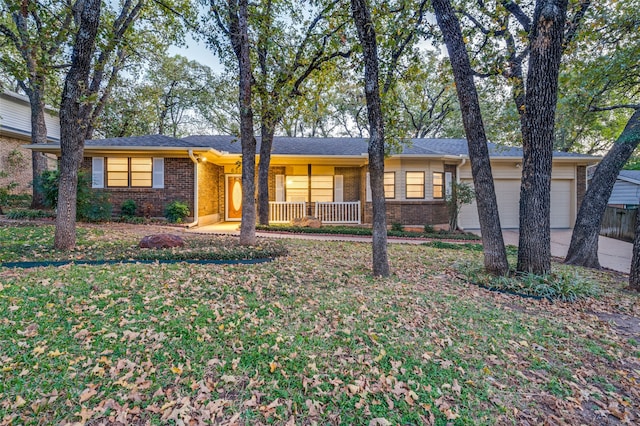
x,y
198,51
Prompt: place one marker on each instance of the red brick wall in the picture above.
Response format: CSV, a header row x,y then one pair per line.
x,y
273,171
16,162
581,185
411,212
210,189
351,182
178,185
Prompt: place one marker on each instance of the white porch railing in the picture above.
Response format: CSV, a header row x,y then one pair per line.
x,y
340,212
283,212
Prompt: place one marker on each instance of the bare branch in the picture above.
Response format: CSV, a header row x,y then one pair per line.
x,y
612,107
518,13
574,24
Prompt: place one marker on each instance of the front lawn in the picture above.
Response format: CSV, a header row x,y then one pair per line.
x,y
113,241
309,337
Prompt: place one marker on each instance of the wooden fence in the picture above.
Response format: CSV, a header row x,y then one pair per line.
x,y
619,223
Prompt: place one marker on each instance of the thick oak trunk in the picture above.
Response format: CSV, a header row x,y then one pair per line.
x,y
239,33
266,142
367,37
583,250
38,135
74,124
545,44
495,256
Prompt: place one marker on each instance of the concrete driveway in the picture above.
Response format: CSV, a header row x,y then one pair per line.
x,y
613,254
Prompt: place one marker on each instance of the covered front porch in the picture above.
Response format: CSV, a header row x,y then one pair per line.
x,y
344,212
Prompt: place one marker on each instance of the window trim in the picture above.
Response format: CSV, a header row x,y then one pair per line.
x,y
129,174
434,186
406,185
394,185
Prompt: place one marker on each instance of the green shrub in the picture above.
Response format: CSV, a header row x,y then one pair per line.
x,y
566,286
397,227
19,200
428,229
90,205
128,208
176,211
29,214
454,246
134,219
98,210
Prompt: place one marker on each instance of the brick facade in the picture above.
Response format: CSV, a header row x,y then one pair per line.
x,y
411,212
178,185
273,171
16,162
210,189
351,182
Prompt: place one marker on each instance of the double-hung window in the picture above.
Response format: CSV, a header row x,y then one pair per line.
x,y
414,184
129,172
438,185
390,185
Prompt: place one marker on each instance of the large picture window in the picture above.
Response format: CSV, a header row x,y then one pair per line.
x,y
300,188
297,189
322,188
438,185
415,184
389,184
129,172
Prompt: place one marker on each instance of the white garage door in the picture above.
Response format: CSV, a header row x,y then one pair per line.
x,y
508,195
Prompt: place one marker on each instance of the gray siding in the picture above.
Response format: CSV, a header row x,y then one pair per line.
x,y
625,193
15,118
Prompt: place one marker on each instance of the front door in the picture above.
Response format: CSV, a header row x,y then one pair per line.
x,y
234,197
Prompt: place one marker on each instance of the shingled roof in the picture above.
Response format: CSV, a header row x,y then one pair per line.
x,y
141,141
340,146
358,146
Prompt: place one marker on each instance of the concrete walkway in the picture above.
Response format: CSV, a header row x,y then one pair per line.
x,y
612,254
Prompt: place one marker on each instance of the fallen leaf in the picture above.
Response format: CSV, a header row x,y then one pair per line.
x,y
88,393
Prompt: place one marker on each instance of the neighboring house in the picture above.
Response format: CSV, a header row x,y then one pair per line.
x,y
619,219
325,177
626,190
15,132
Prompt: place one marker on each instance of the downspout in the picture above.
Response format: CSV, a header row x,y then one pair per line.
x,y
459,166
195,190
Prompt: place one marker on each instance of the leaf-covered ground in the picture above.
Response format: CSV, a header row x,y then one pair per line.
x,y
309,338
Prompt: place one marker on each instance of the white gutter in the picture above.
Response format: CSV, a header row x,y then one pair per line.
x,y
195,190
459,166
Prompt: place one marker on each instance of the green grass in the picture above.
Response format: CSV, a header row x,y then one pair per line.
x,y
34,243
310,337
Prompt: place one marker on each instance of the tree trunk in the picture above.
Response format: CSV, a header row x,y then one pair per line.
x,y
268,128
73,124
34,89
545,43
367,37
38,135
239,34
634,275
583,250
495,255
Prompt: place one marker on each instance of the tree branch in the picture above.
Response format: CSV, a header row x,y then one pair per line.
x,y
574,24
612,107
518,13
